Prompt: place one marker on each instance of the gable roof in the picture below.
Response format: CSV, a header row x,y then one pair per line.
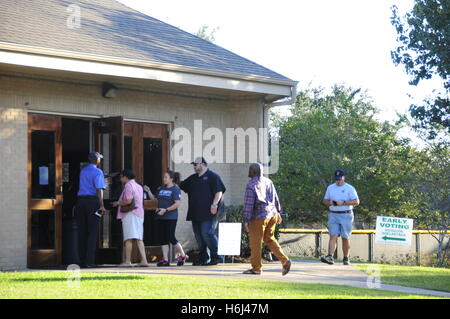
x,y
109,28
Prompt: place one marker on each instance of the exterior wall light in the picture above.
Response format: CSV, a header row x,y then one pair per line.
x,y
109,90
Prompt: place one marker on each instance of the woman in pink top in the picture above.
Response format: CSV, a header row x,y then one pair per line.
x,y
132,221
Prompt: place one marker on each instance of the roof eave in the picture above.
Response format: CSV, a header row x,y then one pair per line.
x,y
7,46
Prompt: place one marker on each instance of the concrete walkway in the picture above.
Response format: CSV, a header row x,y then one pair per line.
x,y
304,271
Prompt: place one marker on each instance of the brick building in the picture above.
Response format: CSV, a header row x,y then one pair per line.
x,y
77,76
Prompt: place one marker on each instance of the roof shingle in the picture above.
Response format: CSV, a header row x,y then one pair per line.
x,y
112,29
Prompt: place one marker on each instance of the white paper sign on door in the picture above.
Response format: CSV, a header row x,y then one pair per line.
x,y
43,175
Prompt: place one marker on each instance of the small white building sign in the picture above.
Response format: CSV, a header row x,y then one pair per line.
x,y
394,230
230,239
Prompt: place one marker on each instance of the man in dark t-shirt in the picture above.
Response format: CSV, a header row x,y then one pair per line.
x,y
205,191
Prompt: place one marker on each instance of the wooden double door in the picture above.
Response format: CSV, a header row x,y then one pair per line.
x,y
57,151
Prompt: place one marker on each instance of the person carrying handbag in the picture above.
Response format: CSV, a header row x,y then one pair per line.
x,y
131,212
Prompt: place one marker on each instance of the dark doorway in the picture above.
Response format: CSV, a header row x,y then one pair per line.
x,y
57,151
152,178
75,147
76,140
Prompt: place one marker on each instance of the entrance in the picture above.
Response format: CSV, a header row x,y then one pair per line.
x,y
57,151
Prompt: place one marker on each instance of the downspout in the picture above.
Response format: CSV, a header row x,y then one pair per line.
x,y
267,106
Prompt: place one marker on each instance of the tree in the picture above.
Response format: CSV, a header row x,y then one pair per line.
x,y
424,51
432,191
207,35
339,130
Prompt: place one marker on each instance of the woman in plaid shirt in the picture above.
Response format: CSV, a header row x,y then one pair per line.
x,y
261,215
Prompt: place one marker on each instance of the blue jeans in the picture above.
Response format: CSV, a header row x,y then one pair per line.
x,y
205,234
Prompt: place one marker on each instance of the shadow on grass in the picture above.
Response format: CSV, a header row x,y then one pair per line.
x,y
62,279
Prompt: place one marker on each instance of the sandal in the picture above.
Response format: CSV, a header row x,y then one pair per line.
x,y
163,263
251,272
143,265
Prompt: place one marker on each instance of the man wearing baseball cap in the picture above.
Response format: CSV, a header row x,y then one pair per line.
x,y
340,198
89,202
205,191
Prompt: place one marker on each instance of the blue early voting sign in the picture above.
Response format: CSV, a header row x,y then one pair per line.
x,y
394,230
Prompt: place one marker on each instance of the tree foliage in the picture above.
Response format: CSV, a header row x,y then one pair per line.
x,y
339,130
424,51
431,191
206,34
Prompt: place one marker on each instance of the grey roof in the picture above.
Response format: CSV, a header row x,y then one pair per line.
x,y
110,28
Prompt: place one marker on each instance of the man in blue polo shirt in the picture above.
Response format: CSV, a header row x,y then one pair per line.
x,y
205,191
340,198
89,202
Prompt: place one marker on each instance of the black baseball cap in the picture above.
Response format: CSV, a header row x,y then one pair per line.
x,y
338,174
94,156
199,160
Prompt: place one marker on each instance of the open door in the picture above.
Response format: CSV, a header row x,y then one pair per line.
x,y
109,141
44,191
146,153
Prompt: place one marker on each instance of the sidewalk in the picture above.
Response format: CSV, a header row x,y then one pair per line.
x,y
304,271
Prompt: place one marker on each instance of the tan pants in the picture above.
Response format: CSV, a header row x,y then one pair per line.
x,y
259,231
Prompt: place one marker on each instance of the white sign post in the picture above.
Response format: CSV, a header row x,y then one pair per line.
x,y
230,239
394,230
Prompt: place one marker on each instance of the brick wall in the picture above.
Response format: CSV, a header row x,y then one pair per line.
x,y
19,95
13,186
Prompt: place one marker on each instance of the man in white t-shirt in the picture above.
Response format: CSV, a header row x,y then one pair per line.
x,y
340,198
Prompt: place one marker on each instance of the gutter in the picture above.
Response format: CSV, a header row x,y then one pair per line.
x,y
7,46
285,101
268,105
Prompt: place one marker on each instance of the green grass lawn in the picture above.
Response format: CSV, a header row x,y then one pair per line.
x,y
412,276
113,285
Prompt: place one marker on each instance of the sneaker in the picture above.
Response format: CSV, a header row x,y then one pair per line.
x,y
89,266
213,262
327,260
163,263
197,263
182,260
346,261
